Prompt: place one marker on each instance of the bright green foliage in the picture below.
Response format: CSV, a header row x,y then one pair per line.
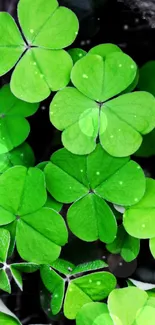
x,y
51,202
89,266
92,287
125,245
146,77
15,268
40,232
139,219
93,313
82,290
22,155
147,147
14,128
6,316
104,49
48,29
89,180
131,306
85,112
76,54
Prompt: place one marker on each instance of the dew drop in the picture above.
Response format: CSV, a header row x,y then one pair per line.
x,y
70,187
136,200
70,289
132,66
119,130
31,31
85,76
111,136
36,72
70,269
55,296
143,226
120,65
97,173
120,263
34,63
98,283
3,138
121,183
90,281
135,115
22,155
51,113
80,55
76,33
138,167
81,170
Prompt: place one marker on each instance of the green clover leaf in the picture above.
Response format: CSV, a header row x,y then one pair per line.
x,y
51,202
138,220
125,245
84,289
7,317
88,288
48,29
40,231
94,313
89,181
85,112
22,155
14,128
15,268
122,301
76,54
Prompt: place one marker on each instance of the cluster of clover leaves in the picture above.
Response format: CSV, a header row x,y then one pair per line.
x,y
102,122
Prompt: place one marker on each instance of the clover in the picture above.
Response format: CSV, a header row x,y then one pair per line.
x,y
42,64
139,219
81,289
22,155
39,231
89,181
90,112
94,313
125,245
131,306
14,269
14,128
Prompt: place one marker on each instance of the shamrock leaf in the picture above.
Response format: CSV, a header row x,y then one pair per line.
x,y
40,232
6,316
94,313
51,202
122,301
139,219
104,49
146,77
124,244
84,289
85,112
22,155
48,29
62,266
14,128
89,181
15,268
88,288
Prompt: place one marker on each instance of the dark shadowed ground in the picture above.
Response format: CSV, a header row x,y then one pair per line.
x,y
131,25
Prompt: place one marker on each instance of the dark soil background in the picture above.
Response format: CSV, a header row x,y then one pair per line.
x,y
130,25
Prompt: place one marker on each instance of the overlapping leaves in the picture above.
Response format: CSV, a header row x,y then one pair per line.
x,y
39,231
89,181
48,29
85,112
81,290
15,268
14,128
139,219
